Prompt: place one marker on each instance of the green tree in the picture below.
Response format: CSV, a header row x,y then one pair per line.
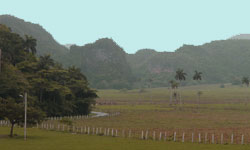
x,y
12,85
173,86
245,80
30,44
13,111
180,76
198,77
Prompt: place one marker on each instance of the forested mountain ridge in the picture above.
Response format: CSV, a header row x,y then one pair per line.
x,y
221,61
103,62
107,65
46,44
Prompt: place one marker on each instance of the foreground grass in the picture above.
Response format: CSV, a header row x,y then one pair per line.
x,y
51,140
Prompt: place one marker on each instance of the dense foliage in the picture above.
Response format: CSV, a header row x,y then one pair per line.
x,y
103,62
51,88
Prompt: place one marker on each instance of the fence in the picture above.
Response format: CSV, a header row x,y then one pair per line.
x,y
156,135
206,138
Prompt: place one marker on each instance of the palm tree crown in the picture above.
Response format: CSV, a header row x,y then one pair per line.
x,y
180,75
197,75
245,80
30,44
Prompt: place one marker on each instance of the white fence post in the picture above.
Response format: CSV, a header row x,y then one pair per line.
x,y
242,139
154,135
212,138
221,139
232,138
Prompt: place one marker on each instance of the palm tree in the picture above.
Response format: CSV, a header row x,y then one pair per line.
x,y
174,85
245,80
181,76
30,44
197,77
45,62
150,80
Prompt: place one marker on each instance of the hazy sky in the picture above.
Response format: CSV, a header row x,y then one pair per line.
x,y
163,25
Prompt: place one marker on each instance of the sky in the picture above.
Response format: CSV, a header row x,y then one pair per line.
x,y
163,25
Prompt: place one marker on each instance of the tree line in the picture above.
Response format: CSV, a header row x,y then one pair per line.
x,y
52,90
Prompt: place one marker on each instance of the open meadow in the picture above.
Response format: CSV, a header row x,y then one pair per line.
x,y
220,112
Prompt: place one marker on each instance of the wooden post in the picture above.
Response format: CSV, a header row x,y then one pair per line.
x,y
205,138
96,131
93,131
183,137
146,136
160,137
154,135
123,133
212,138
88,130
192,137
221,139
142,136
174,136
108,132
199,138
242,139
116,133
165,136
232,138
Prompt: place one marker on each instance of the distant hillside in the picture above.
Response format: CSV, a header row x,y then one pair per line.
x,y
46,44
106,65
103,62
220,61
241,37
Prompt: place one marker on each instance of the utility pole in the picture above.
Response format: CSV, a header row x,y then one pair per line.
x,y
25,115
0,60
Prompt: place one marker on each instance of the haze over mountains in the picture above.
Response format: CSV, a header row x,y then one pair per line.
x,y
107,65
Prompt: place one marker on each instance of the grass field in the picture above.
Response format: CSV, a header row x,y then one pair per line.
x,y
211,94
51,140
220,110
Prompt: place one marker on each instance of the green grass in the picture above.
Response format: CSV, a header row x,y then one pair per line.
x,y
51,140
211,94
221,110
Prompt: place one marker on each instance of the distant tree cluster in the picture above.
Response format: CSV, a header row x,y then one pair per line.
x,y
52,90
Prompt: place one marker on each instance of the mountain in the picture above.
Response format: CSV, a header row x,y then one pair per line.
x,y
221,61
241,37
103,62
107,65
46,44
